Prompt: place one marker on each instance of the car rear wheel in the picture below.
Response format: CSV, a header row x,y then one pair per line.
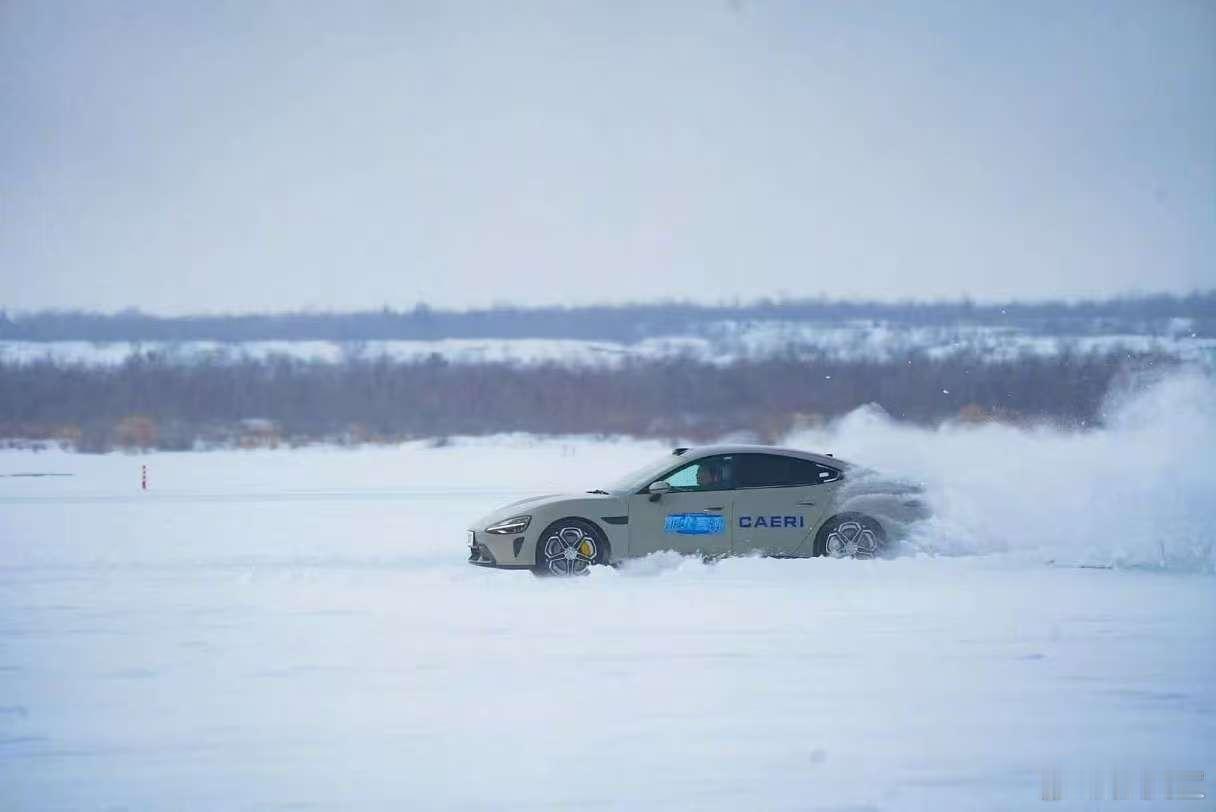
x,y
569,547
850,535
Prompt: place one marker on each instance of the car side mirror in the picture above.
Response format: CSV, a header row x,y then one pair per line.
x,y
657,489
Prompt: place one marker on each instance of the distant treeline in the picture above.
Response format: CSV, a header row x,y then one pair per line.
x,y
625,323
151,402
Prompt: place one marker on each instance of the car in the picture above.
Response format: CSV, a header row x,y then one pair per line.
x,y
710,501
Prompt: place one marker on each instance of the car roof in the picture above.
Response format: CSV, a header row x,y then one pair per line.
x,y
696,452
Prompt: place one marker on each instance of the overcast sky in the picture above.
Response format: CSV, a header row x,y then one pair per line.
x,y
183,156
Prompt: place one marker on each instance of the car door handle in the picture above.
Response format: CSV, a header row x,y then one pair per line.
x,y
715,507
807,502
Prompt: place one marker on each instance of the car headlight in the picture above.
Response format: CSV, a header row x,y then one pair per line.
x,y
515,524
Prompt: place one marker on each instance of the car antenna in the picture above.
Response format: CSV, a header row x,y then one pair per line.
x,y
678,451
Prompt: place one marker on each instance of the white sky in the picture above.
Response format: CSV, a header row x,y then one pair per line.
x,y
188,157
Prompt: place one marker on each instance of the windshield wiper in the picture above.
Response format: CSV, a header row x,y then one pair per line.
x,y
600,490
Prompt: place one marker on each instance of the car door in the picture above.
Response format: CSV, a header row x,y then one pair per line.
x,y
695,517
779,502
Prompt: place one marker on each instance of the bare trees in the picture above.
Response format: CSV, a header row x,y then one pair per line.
x,y
626,323
150,400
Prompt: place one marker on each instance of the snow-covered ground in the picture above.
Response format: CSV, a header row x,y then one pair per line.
x,y
723,342
298,630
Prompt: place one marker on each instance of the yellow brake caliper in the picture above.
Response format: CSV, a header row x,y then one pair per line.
x,y
586,549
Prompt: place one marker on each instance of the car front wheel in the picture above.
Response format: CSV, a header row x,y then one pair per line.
x,y
569,547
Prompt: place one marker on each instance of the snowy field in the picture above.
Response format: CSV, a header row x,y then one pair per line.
x,y
719,342
298,630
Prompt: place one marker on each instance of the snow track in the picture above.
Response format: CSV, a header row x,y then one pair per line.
x,y
297,629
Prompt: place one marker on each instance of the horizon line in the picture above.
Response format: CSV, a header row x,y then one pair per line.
x,y
758,303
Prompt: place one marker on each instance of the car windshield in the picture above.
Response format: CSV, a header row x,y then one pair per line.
x,y
643,476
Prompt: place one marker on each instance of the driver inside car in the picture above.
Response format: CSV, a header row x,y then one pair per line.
x,y
711,475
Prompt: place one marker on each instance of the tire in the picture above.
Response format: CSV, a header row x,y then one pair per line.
x,y
851,535
570,547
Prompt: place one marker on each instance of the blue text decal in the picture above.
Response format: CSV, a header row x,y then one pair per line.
x,y
694,524
772,521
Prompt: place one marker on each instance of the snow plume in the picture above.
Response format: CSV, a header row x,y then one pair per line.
x,y
1139,491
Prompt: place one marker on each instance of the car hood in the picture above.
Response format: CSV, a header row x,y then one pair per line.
x,y
535,503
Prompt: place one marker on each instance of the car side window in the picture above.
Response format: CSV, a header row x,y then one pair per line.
x,y
708,474
825,474
777,471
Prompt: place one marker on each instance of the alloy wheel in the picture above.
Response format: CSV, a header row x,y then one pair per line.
x,y
852,539
569,550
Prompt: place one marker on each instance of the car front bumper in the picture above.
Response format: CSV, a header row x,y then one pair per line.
x,y
503,552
